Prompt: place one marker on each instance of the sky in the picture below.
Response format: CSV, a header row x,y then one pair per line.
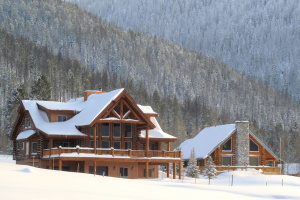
x,y
25,182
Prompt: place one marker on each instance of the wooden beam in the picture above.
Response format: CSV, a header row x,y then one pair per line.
x,y
169,146
95,140
147,142
60,165
180,169
147,169
174,170
168,170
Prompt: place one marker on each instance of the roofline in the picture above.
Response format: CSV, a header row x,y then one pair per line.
x,y
234,131
265,146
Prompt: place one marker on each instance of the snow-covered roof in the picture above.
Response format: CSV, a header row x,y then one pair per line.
x,y
146,109
157,132
25,134
207,141
89,110
73,105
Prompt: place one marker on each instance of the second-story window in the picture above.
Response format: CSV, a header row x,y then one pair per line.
x,y
128,131
61,118
105,130
117,130
27,123
227,145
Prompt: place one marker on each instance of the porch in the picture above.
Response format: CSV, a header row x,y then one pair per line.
x,y
138,161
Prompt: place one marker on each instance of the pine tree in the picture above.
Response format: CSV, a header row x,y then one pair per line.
x,y
41,89
192,169
210,172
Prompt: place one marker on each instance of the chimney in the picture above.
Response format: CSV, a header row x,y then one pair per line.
x,y
242,143
87,93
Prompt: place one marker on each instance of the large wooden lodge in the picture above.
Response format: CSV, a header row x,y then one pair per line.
x,y
103,133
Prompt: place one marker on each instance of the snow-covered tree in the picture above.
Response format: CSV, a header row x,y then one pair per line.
x,y
210,172
192,169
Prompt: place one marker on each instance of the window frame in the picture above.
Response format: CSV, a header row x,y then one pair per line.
x,y
227,157
105,141
124,172
62,116
119,142
108,132
128,142
27,122
125,130
255,144
230,139
257,157
32,148
119,132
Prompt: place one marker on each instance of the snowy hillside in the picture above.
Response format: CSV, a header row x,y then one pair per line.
x,y
259,38
24,182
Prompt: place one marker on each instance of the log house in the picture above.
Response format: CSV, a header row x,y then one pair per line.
x,y
101,133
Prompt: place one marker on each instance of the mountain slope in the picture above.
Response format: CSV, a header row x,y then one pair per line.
x,y
205,91
258,38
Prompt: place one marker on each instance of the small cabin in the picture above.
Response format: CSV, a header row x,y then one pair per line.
x,y
230,146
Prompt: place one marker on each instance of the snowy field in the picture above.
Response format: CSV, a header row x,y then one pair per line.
x,y
24,182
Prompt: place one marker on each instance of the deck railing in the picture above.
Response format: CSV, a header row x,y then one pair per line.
x,y
113,152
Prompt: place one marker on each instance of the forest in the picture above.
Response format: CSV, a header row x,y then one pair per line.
x,y
68,50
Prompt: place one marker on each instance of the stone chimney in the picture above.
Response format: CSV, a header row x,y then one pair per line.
x,y
242,143
87,93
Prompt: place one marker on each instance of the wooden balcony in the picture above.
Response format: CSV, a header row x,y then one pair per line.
x,y
56,152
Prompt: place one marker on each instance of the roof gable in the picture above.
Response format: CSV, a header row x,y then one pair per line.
x,y
207,140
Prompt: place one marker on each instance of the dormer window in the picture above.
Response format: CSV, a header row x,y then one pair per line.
x,y
27,122
61,118
227,146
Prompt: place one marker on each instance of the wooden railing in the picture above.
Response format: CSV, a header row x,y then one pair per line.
x,y
265,169
113,152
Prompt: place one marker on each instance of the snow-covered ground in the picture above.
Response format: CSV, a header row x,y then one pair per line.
x,y
25,182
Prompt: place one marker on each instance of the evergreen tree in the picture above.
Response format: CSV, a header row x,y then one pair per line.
x,y
192,169
210,172
41,89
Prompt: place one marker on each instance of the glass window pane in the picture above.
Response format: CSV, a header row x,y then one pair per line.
x,y
253,161
117,145
117,130
62,118
127,145
226,161
128,130
227,146
105,130
123,171
34,147
253,146
105,144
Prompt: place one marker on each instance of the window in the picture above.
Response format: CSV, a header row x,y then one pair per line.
x,y
105,130
117,145
34,148
27,122
92,143
253,161
105,144
253,146
269,163
123,171
128,130
61,118
149,173
226,161
128,145
227,146
20,145
117,130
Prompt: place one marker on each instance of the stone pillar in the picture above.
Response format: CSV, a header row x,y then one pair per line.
x,y
242,143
